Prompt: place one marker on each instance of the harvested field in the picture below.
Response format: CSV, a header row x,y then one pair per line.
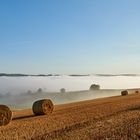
x,y
116,118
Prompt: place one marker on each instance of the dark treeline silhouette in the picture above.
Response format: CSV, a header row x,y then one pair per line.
x,y
19,75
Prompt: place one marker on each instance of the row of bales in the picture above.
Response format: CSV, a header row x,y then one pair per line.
x,y
40,107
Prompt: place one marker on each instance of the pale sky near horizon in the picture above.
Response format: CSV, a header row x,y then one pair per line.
x,y
70,36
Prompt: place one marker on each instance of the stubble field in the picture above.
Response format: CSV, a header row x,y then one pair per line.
x,y
113,118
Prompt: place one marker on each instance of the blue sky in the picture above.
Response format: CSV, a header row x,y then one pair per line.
x,y
70,36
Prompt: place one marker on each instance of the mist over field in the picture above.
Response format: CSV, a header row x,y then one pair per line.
x,y
21,92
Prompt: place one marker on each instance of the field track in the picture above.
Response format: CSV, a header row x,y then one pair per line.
x,y
116,118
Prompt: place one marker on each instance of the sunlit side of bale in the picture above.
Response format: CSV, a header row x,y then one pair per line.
x,y
5,115
43,107
124,93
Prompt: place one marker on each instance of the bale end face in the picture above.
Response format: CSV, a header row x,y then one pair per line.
x,y
5,115
43,107
124,93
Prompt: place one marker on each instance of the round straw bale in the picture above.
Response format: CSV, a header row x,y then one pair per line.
x,y
124,93
5,115
43,107
136,91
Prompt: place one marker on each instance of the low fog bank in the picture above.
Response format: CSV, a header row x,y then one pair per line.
x,y
19,85
21,92
26,100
